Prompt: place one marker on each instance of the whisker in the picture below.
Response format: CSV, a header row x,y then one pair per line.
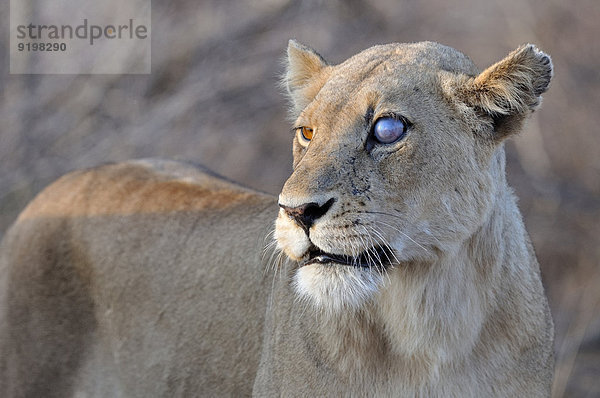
x,y
274,269
383,214
270,246
368,248
381,271
385,242
372,262
397,216
389,249
270,265
372,245
399,231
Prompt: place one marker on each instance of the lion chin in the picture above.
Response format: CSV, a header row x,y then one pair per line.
x,y
336,287
326,279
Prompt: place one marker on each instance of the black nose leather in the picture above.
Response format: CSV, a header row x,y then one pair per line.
x,y
305,215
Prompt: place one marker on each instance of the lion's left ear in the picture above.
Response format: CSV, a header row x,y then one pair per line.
x,y
511,89
305,74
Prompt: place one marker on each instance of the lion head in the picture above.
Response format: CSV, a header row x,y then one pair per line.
x,y
398,159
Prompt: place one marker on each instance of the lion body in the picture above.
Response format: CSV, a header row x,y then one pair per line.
x,y
149,278
97,300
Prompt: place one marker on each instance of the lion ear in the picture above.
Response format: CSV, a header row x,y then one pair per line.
x,y
304,74
511,89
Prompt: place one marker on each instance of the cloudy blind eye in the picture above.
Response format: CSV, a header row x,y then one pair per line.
x,y
388,130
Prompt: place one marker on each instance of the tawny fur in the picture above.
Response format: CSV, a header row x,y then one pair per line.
x,y
149,278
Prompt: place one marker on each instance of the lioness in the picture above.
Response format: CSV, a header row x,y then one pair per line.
x,y
399,266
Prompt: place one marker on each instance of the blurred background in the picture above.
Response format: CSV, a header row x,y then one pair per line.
x,y
213,98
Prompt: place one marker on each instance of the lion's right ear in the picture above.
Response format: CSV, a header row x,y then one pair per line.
x,y
305,74
511,89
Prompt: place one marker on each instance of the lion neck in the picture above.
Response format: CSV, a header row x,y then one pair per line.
x,y
430,315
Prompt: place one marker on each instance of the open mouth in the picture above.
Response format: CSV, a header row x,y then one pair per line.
x,y
374,257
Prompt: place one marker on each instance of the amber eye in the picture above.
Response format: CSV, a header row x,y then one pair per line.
x,y
306,133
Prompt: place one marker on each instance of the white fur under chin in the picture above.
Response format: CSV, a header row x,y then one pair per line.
x,y
334,288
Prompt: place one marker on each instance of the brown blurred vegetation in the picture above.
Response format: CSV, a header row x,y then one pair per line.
x,y
213,98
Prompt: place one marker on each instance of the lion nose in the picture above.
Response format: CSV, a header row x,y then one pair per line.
x,y
305,215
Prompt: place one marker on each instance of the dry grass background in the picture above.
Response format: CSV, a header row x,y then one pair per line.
x,y
212,98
